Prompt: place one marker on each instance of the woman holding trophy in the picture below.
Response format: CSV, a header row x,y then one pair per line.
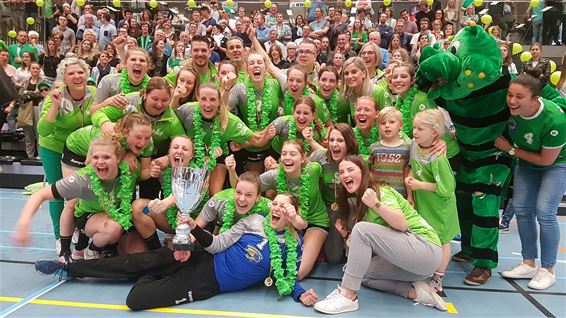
x,y
105,189
264,249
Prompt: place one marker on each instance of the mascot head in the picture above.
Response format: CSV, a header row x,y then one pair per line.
x,y
471,62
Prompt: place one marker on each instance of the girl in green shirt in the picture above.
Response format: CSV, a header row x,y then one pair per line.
x,y
391,247
301,178
185,87
154,103
366,130
64,111
356,83
358,35
326,96
152,214
106,185
341,143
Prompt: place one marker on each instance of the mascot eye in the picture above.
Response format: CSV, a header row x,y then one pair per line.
x,y
454,47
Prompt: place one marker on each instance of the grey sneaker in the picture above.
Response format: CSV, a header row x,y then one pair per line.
x,y
427,296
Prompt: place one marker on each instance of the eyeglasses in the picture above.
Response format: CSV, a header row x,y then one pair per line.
x,y
305,52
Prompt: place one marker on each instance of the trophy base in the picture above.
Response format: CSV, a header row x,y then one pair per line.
x,y
183,247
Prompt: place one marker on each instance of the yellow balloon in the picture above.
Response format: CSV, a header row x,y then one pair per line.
x,y
12,33
81,3
39,3
308,3
555,77
153,3
191,4
229,3
517,48
430,2
116,3
387,3
486,19
534,3
267,4
30,21
348,3
526,56
552,66
478,3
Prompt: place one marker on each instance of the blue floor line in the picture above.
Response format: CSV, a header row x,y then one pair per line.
x,y
24,301
28,248
33,233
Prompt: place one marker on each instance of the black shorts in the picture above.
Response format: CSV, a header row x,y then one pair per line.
x,y
80,222
72,159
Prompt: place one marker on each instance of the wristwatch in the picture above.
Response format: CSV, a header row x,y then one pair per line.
x,y
512,151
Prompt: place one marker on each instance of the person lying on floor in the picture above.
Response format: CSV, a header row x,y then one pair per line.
x,y
262,248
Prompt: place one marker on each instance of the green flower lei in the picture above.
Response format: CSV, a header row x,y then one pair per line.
x,y
265,106
284,278
332,102
126,87
171,211
303,188
198,162
122,214
373,137
289,101
292,135
230,210
404,105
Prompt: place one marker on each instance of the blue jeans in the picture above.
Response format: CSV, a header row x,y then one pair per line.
x,y
537,193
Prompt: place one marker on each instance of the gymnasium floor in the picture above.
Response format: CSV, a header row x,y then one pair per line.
x,y
95,298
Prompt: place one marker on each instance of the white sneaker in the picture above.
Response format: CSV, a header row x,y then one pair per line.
x,y
75,237
542,280
58,247
521,271
78,255
427,296
90,254
336,303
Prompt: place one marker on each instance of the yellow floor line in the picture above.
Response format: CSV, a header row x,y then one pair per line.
x,y
200,312
451,309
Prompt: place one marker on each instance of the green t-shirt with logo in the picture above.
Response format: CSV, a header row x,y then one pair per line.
x,y
545,129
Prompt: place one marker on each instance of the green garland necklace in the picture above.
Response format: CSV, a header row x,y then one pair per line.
x,y
303,188
230,210
284,278
290,100
214,151
122,214
362,143
126,87
404,105
171,211
292,135
332,106
266,102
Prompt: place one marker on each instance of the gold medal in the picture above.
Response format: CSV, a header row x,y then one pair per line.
x,y
268,282
334,206
217,152
349,241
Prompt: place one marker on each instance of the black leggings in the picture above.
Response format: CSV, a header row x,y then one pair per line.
x,y
163,281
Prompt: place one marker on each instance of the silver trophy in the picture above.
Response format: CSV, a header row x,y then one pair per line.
x,y
189,186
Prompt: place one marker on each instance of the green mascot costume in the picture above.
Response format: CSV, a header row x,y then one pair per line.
x,y
466,80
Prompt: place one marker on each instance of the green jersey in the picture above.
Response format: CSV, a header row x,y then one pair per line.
x,y
322,109
393,200
316,214
437,207
545,129
235,130
329,178
79,141
282,125
71,116
165,127
379,94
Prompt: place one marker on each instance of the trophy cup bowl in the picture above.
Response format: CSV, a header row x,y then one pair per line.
x,y
189,186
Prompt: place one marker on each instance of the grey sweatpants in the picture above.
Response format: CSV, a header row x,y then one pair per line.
x,y
386,259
